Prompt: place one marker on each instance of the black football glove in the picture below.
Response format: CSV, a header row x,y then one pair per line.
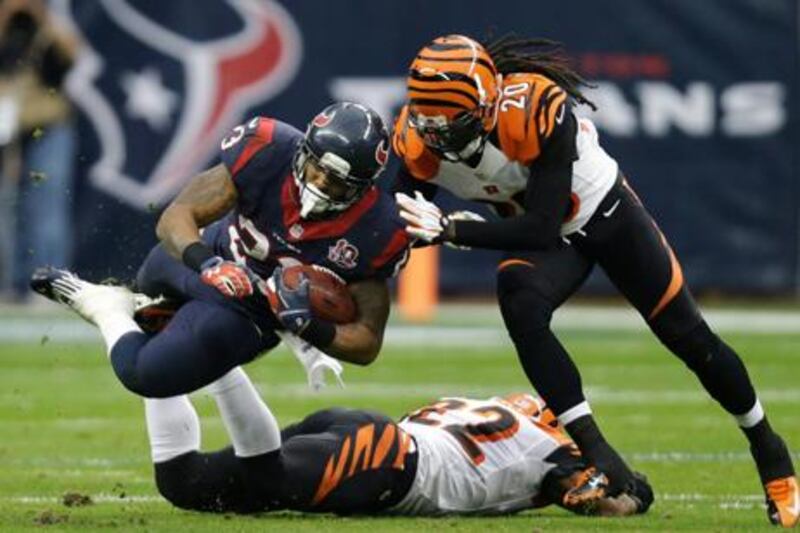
x,y
640,491
293,307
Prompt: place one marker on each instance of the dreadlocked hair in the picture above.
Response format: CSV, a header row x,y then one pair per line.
x,y
543,56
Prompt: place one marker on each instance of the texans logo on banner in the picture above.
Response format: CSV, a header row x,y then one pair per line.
x,y
161,91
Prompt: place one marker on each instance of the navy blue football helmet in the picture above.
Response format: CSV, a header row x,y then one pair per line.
x,y
350,145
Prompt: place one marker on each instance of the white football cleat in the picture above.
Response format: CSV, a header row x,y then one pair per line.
x,y
88,300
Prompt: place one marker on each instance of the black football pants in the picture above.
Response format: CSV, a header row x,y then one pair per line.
x,y
627,244
336,460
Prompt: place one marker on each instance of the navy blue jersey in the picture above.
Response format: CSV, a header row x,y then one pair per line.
x,y
365,241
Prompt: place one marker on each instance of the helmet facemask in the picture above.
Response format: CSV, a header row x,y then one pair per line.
x,y
341,189
457,139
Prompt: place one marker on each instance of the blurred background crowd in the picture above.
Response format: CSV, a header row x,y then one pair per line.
x,y
108,106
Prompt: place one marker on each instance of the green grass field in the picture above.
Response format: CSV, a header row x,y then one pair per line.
x,y
68,426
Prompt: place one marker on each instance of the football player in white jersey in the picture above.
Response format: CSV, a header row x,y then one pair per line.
x,y
457,456
495,124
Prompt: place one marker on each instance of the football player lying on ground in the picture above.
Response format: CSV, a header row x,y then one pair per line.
x,y
278,198
456,456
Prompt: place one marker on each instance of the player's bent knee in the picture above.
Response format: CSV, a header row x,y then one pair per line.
x,y
124,361
172,481
522,304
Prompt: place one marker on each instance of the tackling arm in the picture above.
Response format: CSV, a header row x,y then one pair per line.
x,y
547,201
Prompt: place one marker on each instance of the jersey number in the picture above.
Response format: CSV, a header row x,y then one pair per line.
x,y
515,95
498,424
238,134
247,240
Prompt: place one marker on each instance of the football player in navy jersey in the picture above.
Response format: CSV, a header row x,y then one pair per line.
x,y
279,197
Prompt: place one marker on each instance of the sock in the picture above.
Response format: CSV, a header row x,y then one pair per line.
x,y
115,325
251,426
172,426
768,449
573,413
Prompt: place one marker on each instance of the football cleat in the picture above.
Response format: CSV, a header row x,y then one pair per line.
x,y
153,314
783,501
88,300
589,488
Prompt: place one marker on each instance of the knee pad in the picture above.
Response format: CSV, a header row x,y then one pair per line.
x,y
695,348
523,305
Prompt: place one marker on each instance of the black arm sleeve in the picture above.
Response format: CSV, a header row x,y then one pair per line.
x,y
547,201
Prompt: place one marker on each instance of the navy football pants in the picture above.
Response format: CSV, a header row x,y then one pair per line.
x,y
208,336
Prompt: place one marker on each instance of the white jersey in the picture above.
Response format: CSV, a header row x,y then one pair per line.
x,y
496,179
477,456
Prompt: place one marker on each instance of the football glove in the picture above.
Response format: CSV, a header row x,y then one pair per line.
x,y
640,491
425,219
292,306
589,489
229,278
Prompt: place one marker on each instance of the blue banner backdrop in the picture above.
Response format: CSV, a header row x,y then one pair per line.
x,y
698,102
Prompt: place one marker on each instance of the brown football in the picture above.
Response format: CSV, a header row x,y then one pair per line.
x,y
330,298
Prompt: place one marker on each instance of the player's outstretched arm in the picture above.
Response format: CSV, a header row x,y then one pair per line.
x,y
206,198
360,341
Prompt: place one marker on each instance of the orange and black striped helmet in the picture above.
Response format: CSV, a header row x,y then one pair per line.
x,y
452,93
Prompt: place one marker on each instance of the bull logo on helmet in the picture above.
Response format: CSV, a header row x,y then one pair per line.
x,y
323,119
382,153
159,98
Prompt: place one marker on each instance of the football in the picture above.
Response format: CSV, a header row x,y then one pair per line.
x,y
330,298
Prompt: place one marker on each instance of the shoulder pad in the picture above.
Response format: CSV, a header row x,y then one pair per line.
x,y
530,108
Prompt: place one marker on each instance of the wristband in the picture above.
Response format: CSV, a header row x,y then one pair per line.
x,y
319,333
196,254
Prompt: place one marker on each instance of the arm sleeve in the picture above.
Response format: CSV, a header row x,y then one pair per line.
x,y
547,200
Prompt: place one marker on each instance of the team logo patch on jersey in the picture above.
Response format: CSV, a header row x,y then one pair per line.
x,y
343,254
160,89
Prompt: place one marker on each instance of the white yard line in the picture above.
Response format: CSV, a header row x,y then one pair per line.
x,y
723,501
113,467
456,326
433,391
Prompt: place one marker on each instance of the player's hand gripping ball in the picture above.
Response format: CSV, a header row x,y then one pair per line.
x,y
328,297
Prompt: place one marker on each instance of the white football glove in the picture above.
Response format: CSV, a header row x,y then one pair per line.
x,y
425,219
463,215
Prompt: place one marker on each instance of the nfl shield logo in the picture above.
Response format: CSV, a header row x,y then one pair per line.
x,y
296,231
